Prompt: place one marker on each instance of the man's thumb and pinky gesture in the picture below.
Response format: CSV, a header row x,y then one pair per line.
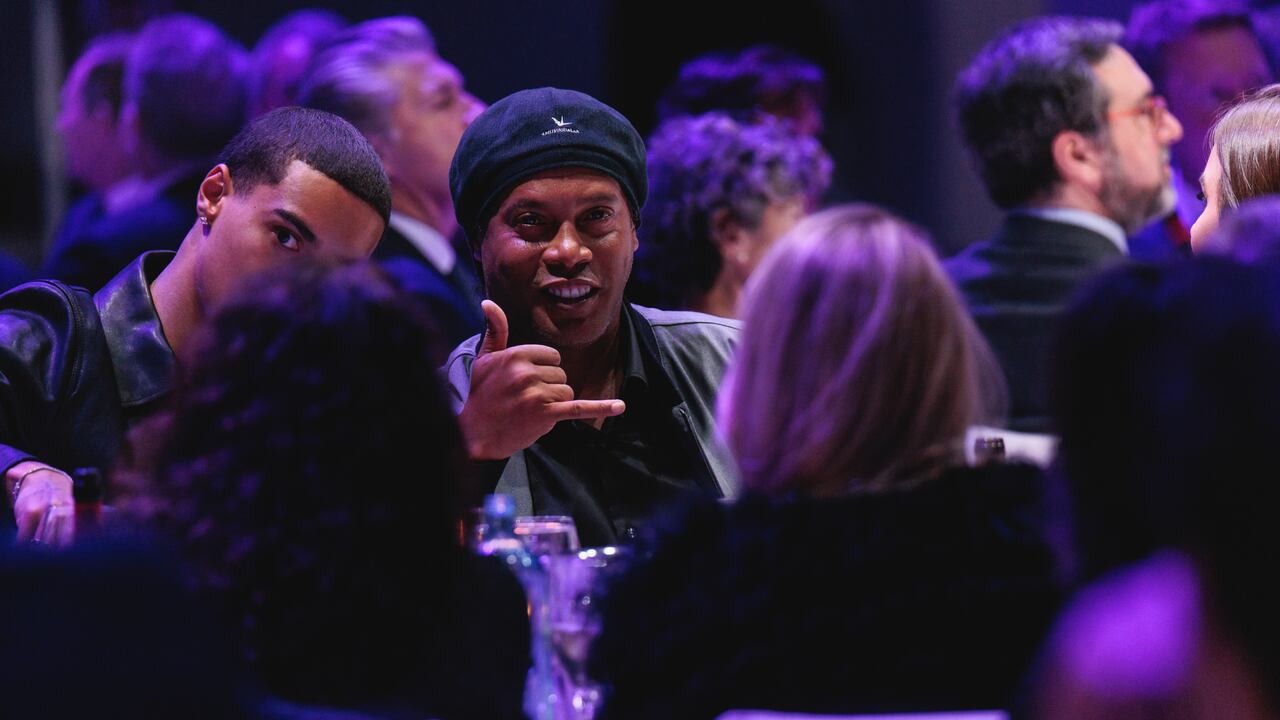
x,y
518,394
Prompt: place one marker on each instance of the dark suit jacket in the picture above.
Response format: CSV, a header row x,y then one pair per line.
x,y
1016,284
452,300
92,247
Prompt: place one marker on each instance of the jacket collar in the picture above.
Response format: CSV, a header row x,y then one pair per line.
x,y
644,361
1105,227
1056,238
143,361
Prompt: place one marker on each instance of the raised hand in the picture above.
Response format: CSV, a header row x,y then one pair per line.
x,y
518,394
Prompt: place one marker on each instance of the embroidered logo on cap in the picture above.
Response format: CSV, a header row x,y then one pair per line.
x,y
562,126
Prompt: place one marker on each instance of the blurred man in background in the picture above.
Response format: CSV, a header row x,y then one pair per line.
x,y
183,99
385,77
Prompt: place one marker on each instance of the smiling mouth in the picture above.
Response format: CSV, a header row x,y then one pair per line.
x,y
570,294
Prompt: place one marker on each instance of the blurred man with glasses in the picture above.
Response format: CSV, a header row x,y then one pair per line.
x,y
1072,141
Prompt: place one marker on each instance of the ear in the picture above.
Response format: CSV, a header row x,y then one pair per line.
x,y
127,130
384,144
728,235
1079,161
214,191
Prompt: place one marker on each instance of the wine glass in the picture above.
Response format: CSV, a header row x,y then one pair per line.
x,y
547,534
574,582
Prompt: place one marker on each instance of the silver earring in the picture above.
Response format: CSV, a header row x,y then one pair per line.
x,y
204,221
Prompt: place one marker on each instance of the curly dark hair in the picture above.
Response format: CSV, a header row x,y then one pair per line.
x,y
704,164
1024,88
311,468
744,84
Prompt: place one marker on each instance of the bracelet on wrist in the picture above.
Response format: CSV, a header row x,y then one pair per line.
x,y
17,485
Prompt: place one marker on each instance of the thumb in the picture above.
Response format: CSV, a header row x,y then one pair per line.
x,y
495,328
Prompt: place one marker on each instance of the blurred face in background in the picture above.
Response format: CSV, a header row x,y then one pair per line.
x,y
426,123
1204,71
92,151
1137,181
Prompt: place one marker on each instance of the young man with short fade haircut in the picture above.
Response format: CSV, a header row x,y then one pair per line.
x,y
1072,142
77,370
576,402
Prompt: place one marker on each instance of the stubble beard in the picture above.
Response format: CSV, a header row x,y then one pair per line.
x,y
1131,206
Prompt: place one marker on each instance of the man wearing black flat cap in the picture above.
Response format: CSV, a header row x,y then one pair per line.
x,y
575,401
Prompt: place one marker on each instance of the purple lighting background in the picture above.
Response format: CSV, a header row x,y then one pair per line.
x,y
889,71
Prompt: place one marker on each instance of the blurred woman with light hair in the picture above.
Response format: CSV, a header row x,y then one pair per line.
x,y
1244,161
865,568
859,368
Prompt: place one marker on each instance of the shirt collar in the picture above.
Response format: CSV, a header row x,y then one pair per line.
x,y
140,354
632,352
1105,227
433,246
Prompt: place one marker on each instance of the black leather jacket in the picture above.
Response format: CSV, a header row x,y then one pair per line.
x,y
76,371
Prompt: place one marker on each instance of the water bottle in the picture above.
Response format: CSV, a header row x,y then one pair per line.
x,y
501,542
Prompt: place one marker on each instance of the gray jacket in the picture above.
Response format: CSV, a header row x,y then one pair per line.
x,y
694,349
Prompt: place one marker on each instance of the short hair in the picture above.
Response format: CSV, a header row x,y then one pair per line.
x,y
273,77
310,467
187,80
348,76
1249,234
1247,135
742,84
859,368
104,80
1023,89
1153,26
699,166
263,150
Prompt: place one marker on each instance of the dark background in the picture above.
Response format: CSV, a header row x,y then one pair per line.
x,y
889,70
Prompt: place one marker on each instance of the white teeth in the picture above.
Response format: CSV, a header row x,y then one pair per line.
x,y
569,292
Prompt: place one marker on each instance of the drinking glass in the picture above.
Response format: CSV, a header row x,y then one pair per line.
x,y
574,582
547,534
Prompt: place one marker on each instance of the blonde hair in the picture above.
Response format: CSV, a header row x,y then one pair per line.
x,y
1247,136
859,368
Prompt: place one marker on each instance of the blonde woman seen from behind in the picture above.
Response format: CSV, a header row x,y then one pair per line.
x,y
859,368
863,567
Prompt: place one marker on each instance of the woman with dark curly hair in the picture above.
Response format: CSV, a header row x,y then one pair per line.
x,y
721,191
311,470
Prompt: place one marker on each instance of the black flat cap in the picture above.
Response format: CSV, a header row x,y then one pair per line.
x,y
532,131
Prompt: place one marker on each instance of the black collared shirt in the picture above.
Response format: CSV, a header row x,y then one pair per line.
x,y
611,479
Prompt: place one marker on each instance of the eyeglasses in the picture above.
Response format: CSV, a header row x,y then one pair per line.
x,y
1154,107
